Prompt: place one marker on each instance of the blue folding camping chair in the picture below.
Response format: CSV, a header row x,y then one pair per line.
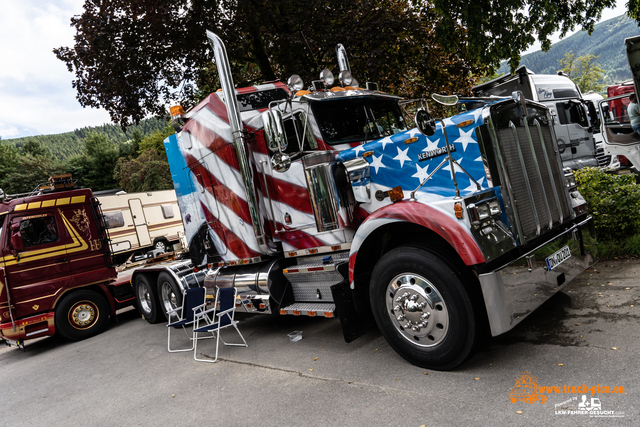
x,y
224,316
193,298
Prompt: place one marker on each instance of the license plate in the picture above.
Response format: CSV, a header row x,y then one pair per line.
x,y
558,258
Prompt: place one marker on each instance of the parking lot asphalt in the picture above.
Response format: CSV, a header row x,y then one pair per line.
x,y
586,335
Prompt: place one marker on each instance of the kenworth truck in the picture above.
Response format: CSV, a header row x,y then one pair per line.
x,y
325,202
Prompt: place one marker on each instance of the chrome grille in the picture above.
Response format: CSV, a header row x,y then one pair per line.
x,y
533,173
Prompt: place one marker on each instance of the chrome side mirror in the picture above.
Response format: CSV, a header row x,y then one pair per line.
x,y
425,122
519,98
280,162
274,130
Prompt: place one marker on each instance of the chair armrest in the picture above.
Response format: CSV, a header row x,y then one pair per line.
x,y
202,313
222,313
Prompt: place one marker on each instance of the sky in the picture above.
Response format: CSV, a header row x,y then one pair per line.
x,y
36,96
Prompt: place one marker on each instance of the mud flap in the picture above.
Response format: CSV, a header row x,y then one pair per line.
x,y
355,319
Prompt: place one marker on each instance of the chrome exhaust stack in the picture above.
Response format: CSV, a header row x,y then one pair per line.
x,y
237,132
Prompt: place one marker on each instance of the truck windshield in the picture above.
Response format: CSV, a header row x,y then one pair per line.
x,y
557,91
358,119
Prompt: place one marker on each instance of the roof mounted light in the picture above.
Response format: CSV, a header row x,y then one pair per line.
x,y
345,78
327,77
295,83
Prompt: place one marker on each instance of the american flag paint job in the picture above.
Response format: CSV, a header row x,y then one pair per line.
x,y
207,171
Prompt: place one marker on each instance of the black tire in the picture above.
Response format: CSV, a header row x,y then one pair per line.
x,y
414,287
147,301
169,293
161,244
81,314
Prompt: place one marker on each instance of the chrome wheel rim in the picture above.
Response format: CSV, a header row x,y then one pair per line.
x,y
168,296
144,298
160,245
416,309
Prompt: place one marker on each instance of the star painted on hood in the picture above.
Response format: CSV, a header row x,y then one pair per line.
x,y
402,156
476,113
457,167
358,149
414,132
431,145
421,173
472,188
385,141
377,162
466,138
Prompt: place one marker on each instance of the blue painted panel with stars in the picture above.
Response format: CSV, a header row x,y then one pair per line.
x,y
395,164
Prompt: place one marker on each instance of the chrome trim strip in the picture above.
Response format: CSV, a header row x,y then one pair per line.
x,y
541,182
526,179
546,161
506,179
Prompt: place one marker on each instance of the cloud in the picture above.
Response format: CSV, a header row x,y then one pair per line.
x,y
36,96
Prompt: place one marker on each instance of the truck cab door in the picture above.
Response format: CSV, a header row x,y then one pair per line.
x,y
618,136
575,137
36,261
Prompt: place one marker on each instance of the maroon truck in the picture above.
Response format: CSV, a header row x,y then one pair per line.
x,y
56,271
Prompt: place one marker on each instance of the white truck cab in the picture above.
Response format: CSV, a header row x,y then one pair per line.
x,y
571,113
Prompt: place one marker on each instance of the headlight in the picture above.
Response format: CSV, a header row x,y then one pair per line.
x,y
484,210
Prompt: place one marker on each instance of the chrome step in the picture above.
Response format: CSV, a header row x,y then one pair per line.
x,y
310,309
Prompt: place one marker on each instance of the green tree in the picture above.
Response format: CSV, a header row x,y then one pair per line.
x,y
583,70
148,172
391,41
34,148
94,168
29,172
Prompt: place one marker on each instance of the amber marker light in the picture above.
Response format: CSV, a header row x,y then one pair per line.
x,y
396,194
457,208
465,123
410,140
367,154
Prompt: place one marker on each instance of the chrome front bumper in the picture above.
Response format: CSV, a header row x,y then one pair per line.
x,y
513,291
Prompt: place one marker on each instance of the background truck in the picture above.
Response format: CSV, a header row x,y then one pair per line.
x,y
619,139
574,118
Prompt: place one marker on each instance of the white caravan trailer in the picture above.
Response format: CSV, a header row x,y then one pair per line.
x,y
142,221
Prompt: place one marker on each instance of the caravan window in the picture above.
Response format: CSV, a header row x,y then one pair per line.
x,y
167,211
114,219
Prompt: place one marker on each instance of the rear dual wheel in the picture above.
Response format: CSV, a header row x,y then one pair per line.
x,y
423,308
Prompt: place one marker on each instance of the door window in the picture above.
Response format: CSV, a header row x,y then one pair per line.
x,y
38,230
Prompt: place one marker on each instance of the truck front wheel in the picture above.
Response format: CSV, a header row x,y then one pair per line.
x,y
423,309
81,314
147,301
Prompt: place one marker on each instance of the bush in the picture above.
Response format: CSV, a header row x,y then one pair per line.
x,y
614,201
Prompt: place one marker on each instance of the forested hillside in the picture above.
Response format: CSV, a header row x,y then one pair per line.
x,y
63,146
606,41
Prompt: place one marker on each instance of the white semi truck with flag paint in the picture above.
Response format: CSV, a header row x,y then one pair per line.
x,y
326,200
